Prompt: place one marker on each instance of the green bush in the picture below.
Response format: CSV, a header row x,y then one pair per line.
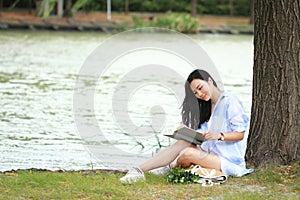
x,y
183,23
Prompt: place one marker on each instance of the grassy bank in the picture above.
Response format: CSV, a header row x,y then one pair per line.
x,y
271,183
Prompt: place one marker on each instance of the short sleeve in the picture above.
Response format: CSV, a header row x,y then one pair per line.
x,y
237,119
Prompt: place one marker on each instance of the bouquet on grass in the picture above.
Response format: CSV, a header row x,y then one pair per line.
x,y
196,174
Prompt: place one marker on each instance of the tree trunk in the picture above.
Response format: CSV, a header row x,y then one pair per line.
x,y
46,8
251,21
126,7
231,8
68,11
108,16
60,8
29,6
1,6
194,8
275,115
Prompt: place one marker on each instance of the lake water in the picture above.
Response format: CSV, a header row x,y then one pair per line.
x,y
38,72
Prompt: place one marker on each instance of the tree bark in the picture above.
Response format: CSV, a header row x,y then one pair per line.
x,y
275,116
194,8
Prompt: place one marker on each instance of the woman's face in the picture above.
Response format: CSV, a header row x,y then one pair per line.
x,y
202,89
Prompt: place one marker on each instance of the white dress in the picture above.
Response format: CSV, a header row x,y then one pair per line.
x,y
228,116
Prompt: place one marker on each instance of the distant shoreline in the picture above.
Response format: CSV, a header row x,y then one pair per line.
x,y
84,22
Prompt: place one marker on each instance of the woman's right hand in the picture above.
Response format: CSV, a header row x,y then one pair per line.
x,y
211,135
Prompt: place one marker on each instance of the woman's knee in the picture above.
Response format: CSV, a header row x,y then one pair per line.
x,y
185,157
188,152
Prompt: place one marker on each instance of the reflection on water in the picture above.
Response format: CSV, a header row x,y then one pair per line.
x,y
37,76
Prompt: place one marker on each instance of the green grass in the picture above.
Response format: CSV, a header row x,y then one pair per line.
x,y
271,183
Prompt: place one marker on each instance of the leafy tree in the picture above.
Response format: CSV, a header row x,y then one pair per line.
x,y
241,7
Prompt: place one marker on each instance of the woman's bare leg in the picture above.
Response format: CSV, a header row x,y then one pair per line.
x,y
195,155
165,156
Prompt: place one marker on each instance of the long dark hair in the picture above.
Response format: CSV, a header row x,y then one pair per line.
x,y
195,111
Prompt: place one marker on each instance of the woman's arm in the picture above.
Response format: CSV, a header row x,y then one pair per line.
x,y
230,136
233,136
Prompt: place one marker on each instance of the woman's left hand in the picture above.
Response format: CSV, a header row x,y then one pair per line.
x,y
211,135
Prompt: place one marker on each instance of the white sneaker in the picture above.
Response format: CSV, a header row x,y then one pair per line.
x,y
133,175
161,170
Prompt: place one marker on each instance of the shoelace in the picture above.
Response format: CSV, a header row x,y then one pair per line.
x,y
139,170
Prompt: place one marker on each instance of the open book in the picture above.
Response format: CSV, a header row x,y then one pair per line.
x,y
183,132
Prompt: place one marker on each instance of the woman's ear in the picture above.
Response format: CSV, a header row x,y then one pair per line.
x,y
210,80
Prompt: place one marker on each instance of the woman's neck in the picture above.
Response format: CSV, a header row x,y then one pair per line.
x,y
215,97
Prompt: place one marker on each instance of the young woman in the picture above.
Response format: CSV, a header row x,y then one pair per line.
x,y
220,117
